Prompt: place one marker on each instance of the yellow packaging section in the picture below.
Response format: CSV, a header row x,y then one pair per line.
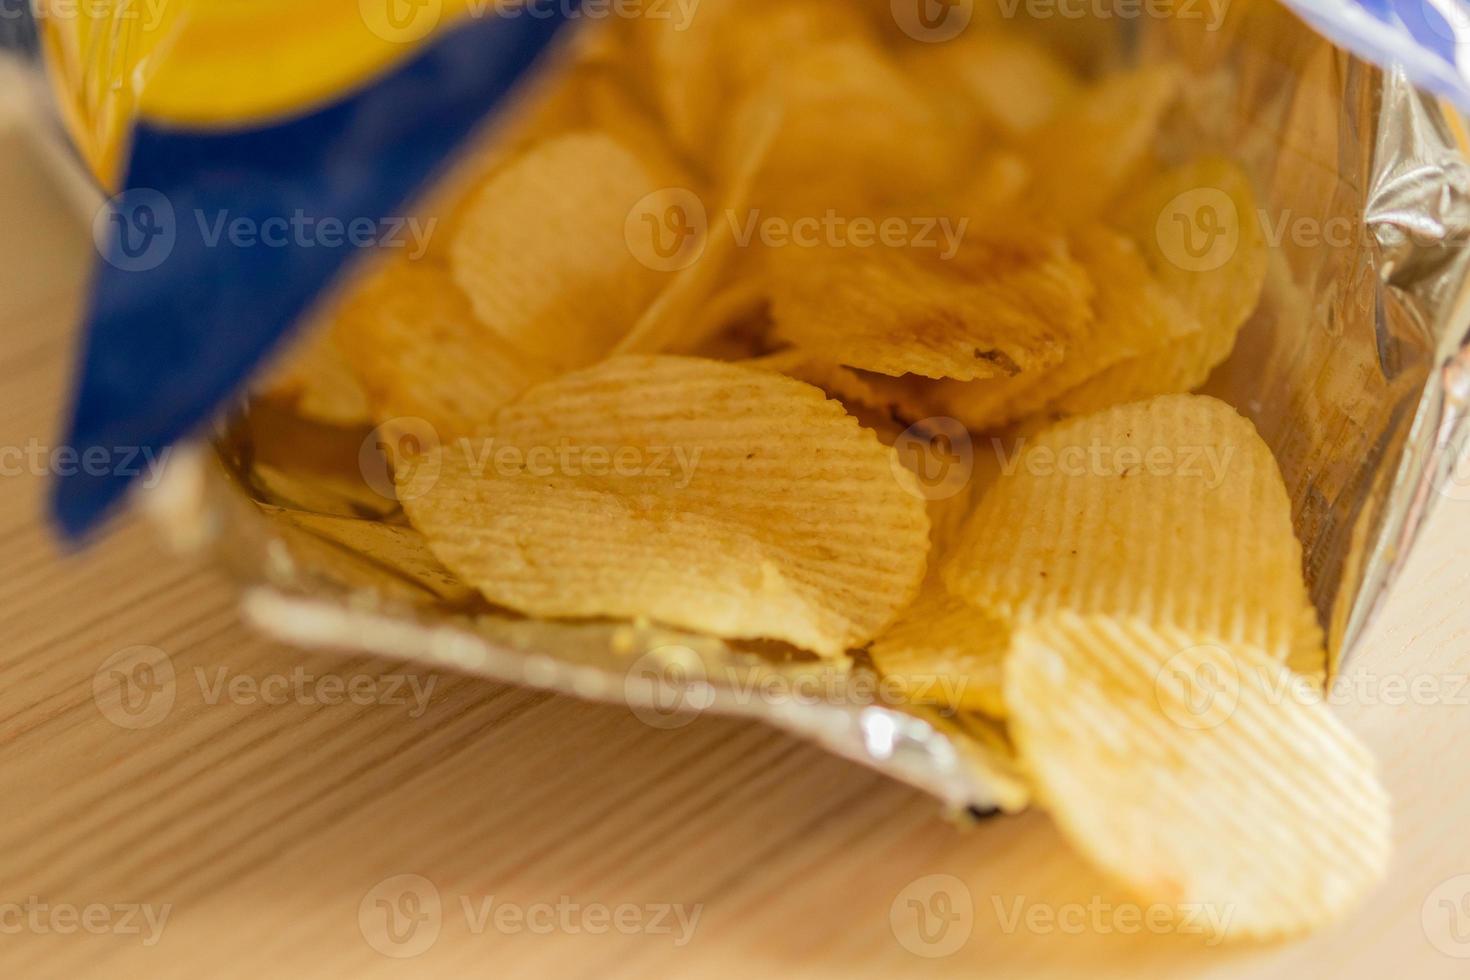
x,y
220,64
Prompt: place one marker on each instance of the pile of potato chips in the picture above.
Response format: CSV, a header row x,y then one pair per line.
x,y
724,314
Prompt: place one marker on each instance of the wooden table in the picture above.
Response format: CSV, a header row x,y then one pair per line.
x,y
558,837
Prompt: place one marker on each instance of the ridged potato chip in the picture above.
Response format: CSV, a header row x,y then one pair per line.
x,y
1131,314
1085,156
842,383
1001,305
1198,227
421,353
945,651
708,496
542,251
1172,510
1201,775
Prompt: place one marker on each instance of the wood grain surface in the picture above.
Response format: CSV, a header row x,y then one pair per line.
x,y
267,821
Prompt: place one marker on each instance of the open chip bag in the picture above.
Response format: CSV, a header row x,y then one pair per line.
x,y
1033,404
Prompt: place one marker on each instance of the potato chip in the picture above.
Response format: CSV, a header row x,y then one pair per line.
x,y
387,558
422,353
842,383
946,651
672,322
1086,154
701,64
316,381
848,101
1172,510
997,305
1011,84
1198,228
1131,315
702,495
1201,775
543,253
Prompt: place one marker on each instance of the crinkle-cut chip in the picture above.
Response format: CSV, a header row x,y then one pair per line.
x,y
713,497
542,251
702,64
1012,84
1199,774
672,323
855,133
1132,314
387,558
1200,231
317,382
1087,153
1174,368
842,383
993,304
1172,510
945,651
421,353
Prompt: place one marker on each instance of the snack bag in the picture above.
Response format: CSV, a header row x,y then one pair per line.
x,y
1032,407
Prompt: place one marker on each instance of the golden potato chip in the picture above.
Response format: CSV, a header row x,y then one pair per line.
x,y
1131,315
702,495
1200,230
1086,154
672,323
316,381
1012,84
1172,510
945,651
703,62
847,101
543,252
983,746
842,383
1201,775
989,304
1175,368
387,558
1198,227
422,353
